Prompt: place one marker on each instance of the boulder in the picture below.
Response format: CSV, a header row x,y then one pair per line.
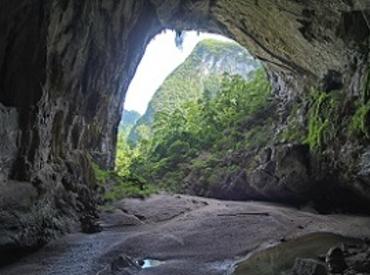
x,y
308,267
285,175
335,260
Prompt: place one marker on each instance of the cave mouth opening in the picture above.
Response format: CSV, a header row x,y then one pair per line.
x,y
183,80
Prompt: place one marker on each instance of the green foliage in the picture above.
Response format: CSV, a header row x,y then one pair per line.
x,y
360,121
101,175
197,118
124,184
203,131
128,120
323,124
215,46
330,119
295,132
258,136
360,124
127,189
124,155
198,75
218,124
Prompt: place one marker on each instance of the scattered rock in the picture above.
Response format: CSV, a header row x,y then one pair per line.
x,y
335,260
308,267
124,262
141,262
122,265
350,259
360,262
90,225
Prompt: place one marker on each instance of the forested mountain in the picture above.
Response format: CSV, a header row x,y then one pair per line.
x,y
128,120
199,75
198,147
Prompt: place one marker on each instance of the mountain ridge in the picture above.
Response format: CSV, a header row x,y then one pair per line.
x,y
200,73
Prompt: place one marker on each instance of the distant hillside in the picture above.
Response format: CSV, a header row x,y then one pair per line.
x,y
200,73
128,120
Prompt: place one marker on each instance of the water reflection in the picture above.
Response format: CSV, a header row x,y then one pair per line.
x,y
148,263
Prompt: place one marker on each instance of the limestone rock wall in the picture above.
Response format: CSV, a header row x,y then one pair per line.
x,y
65,66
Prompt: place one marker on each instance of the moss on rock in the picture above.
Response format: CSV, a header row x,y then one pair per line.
x,y
324,118
360,121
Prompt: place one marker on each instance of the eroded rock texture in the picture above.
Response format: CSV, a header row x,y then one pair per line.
x,y
65,66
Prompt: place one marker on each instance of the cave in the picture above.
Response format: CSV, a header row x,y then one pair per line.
x,y
65,67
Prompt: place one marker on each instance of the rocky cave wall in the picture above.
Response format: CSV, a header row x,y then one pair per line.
x,y
65,66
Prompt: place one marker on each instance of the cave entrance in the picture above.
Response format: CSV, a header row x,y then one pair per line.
x,y
185,106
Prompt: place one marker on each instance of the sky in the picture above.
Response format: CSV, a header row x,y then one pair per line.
x,y
160,59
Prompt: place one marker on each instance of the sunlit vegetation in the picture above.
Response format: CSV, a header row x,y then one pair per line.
x,y
200,73
195,136
192,145
121,183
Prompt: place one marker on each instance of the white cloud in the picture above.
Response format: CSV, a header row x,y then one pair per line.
x,y
160,59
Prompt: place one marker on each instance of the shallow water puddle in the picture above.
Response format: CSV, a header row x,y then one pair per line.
x,y
278,260
148,263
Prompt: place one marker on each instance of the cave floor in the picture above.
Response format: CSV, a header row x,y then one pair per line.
x,y
184,234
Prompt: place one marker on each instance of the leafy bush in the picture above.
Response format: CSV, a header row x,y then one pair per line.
x,y
101,175
122,186
127,189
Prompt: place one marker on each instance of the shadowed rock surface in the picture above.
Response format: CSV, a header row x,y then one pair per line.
x,y
188,235
65,67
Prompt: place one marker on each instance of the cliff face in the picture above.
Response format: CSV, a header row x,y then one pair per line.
x,y
200,73
65,66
